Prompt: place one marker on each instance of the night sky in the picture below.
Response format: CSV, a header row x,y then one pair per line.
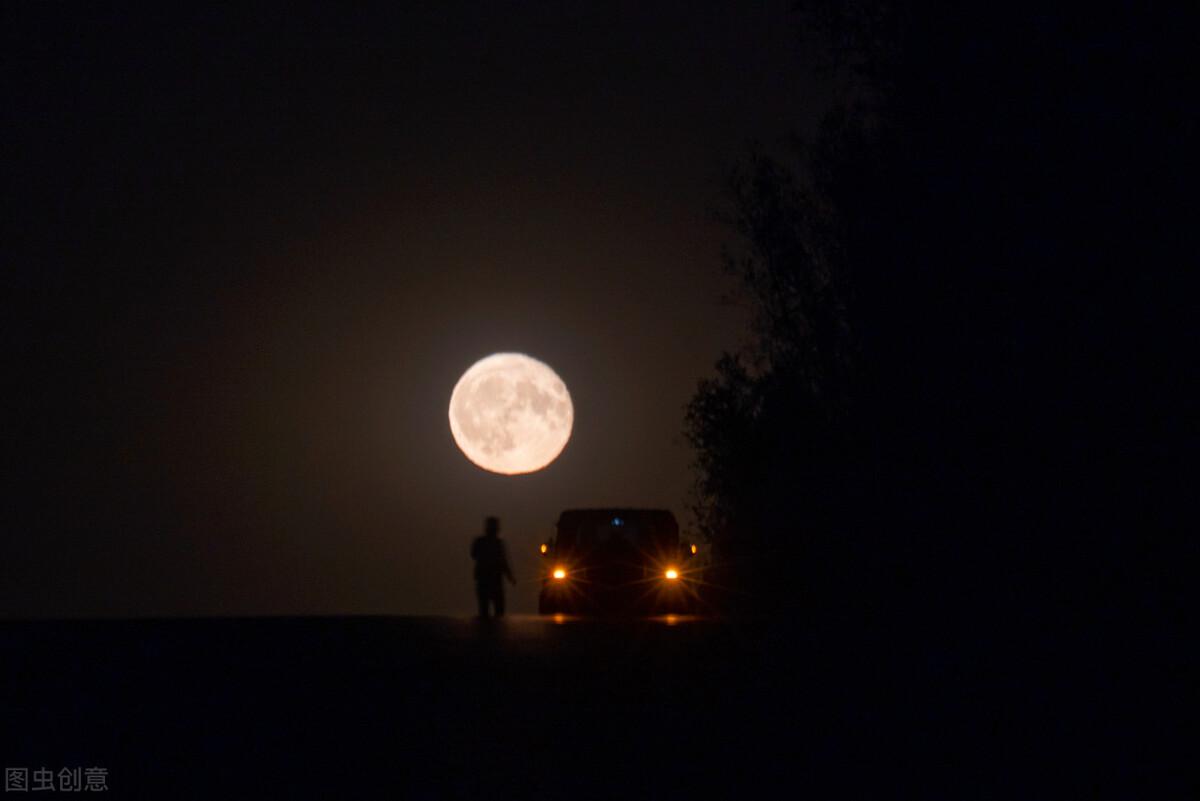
x,y
248,254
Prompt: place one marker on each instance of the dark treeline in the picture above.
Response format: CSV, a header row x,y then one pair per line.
x,y
956,396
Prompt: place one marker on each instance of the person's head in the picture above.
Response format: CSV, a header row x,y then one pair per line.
x,y
491,526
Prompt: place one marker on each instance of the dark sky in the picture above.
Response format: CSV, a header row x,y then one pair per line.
x,y
248,253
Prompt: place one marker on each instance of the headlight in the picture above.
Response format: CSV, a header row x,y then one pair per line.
x,y
559,573
671,574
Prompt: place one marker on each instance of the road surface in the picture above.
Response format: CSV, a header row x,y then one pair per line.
x,y
352,707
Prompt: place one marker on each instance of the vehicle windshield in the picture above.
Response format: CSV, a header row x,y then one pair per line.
x,y
615,531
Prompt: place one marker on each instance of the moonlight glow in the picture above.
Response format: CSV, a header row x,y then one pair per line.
x,y
511,414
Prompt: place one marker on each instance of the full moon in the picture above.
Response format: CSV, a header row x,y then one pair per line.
x,y
511,414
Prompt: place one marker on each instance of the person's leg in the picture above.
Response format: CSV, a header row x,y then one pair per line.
x,y
499,600
482,598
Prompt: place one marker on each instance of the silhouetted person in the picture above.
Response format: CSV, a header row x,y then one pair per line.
x,y
491,565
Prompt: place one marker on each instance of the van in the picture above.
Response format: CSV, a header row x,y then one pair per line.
x,y
625,561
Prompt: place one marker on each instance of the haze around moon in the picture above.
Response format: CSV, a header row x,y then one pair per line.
x,y
511,414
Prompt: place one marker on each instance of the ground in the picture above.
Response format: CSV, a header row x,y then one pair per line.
x,y
542,708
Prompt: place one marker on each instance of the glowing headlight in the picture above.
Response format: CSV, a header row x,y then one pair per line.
x,y
671,574
559,573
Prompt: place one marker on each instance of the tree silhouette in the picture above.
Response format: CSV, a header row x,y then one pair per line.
x,y
922,409
772,429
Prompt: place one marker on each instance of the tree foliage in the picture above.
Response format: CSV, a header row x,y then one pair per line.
x,y
926,365
772,428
